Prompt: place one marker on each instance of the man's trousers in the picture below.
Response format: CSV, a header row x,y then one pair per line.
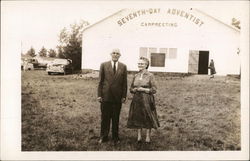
x,y
110,111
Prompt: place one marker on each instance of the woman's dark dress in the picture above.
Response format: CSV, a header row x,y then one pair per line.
x,y
212,68
142,113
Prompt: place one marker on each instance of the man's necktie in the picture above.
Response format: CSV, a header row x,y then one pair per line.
x,y
114,68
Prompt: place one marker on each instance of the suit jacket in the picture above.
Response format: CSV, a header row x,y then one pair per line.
x,y
112,87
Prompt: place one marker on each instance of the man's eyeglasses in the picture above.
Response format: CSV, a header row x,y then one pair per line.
x,y
116,53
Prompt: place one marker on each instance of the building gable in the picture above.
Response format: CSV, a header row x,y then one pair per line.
x,y
167,36
167,16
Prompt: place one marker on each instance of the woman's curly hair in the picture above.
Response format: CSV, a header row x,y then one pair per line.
x,y
146,60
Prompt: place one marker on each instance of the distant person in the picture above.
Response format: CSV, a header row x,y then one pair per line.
x,y
142,113
112,92
212,68
25,65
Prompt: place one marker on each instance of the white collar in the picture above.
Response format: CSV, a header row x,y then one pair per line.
x,y
116,64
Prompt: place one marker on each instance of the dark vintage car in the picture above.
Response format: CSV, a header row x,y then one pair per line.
x,y
63,66
38,65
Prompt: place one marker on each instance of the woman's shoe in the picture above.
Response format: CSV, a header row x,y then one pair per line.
x,y
139,141
148,141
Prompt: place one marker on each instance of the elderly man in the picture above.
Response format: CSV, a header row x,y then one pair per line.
x,y
112,92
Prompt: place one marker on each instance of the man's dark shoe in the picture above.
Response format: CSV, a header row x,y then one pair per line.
x,y
103,140
116,141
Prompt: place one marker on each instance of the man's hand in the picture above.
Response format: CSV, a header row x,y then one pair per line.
x,y
123,100
99,99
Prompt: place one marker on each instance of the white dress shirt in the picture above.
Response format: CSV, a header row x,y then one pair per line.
x,y
116,65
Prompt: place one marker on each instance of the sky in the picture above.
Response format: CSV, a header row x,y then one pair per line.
x,y
40,22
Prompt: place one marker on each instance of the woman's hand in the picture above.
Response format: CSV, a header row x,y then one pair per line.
x,y
147,90
135,90
141,89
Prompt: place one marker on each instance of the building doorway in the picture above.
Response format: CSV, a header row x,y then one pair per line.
x,y
198,62
203,62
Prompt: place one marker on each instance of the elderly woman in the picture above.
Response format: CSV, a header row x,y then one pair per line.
x,y
142,113
212,68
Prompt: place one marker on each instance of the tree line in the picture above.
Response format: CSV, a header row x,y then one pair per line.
x,y
43,52
69,47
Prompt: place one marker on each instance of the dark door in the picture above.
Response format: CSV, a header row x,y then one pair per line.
x,y
203,62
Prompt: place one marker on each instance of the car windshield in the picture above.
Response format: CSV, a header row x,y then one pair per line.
x,y
61,61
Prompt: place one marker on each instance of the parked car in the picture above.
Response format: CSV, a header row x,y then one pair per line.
x,y
63,66
27,65
38,65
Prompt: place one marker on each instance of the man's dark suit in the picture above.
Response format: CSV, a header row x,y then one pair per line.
x,y
112,88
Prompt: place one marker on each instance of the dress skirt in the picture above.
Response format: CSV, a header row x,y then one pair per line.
x,y
142,113
212,70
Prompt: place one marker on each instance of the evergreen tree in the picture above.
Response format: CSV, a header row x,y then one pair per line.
x,y
43,52
71,43
60,53
52,53
31,52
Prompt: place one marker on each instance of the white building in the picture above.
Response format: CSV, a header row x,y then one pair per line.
x,y
174,39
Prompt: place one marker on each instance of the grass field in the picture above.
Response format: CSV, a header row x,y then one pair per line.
x,y
60,113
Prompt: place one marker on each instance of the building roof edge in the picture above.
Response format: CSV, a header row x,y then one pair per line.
x,y
103,19
199,11
215,19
